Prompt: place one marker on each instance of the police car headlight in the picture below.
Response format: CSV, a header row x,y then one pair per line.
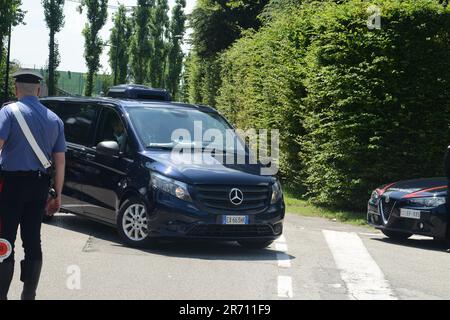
x,y
176,188
277,193
374,196
427,202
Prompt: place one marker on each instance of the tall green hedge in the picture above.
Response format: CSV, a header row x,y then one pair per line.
x,y
204,79
356,107
262,86
378,102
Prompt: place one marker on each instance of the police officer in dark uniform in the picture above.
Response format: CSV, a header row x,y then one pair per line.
x,y
25,182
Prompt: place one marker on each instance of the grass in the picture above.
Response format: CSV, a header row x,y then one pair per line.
x,y
304,208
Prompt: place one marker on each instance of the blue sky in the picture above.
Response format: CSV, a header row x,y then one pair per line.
x,y
30,42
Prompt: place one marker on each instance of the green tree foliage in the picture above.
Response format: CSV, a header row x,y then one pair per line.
x,y
184,83
141,46
216,25
54,17
378,102
10,15
262,86
356,107
119,41
185,77
107,82
14,66
194,75
160,36
278,7
97,13
203,79
177,31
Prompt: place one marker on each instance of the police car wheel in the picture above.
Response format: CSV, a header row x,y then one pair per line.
x,y
47,218
255,244
132,223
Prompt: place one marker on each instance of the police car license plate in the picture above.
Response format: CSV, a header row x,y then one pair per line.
x,y
409,213
235,220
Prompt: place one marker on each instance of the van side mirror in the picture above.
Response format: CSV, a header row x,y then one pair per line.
x,y
108,148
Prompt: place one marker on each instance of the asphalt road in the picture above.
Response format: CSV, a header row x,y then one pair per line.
x,y
316,259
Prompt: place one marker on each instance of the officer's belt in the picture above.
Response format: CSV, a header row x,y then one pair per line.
x,y
24,174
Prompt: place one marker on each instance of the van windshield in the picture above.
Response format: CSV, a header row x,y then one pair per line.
x,y
167,128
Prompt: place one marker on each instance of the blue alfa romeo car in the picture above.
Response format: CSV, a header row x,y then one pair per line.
x,y
404,208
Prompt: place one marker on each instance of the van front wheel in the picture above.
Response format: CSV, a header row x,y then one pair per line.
x,y
132,223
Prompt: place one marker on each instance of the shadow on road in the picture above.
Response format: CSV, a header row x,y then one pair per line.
x,y
426,244
103,238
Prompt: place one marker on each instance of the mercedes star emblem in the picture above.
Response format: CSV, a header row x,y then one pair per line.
x,y
236,196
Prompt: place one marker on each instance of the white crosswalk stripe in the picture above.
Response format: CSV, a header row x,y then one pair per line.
x,y
359,271
282,257
285,287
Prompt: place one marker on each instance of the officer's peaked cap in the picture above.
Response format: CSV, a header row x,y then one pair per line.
x,y
27,76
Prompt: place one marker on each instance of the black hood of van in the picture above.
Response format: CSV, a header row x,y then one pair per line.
x,y
214,172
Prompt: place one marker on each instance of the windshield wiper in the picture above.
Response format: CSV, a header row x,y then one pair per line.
x,y
164,146
170,145
221,150
194,145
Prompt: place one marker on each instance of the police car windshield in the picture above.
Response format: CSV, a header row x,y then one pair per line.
x,y
167,128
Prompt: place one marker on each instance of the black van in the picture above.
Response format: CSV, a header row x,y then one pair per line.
x,y
121,171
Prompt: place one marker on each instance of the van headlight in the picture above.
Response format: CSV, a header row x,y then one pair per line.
x,y
427,202
176,188
277,193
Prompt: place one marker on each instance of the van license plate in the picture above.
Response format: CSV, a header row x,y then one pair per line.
x,y
408,213
235,220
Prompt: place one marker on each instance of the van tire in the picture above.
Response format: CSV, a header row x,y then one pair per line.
x,y
132,223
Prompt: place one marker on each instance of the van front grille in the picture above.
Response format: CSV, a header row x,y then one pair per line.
x,y
217,198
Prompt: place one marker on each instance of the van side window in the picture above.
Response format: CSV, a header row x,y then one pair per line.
x,y
79,121
111,128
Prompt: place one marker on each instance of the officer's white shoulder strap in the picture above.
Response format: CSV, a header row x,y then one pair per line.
x,y
29,136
